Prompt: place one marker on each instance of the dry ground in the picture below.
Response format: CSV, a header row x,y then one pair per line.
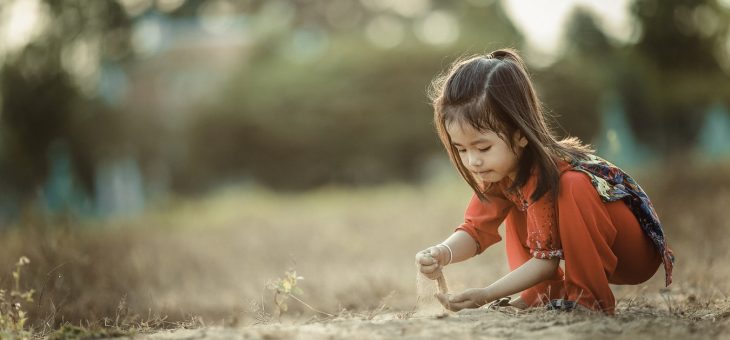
x,y
643,323
205,264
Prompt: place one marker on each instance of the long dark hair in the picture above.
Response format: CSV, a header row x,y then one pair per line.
x,y
493,92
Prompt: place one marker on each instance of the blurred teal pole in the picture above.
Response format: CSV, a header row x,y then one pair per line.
x,y
714,138
61,192
119,188
615,141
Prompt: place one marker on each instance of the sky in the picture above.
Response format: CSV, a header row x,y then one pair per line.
x,y
543,21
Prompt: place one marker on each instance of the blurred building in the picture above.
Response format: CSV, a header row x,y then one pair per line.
x,y
182,63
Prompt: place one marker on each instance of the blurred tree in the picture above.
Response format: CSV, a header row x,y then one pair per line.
x,y
327,91
678,68
681,34
354,113
666,80
45,88
572,88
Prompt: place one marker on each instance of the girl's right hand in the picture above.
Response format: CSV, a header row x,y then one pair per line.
x,y
431,260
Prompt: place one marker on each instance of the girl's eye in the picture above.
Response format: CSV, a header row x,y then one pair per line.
x,y
485,149
460,151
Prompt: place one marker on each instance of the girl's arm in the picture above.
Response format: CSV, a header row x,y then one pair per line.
x,y
529,274
430,261
462,247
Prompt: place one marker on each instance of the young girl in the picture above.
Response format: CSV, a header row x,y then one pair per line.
x,y
559,201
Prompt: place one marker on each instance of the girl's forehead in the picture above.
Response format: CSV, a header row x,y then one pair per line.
x,y
463,130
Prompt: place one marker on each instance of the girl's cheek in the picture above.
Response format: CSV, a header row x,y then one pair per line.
x,y
465,160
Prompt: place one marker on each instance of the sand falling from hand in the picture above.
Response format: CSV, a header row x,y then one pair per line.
x,y
425,290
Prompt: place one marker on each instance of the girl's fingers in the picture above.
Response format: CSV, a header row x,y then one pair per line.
x,y
429,269
447,301
435,252
431,272
458,298
426,260
443,299
456,302
433,276
457,306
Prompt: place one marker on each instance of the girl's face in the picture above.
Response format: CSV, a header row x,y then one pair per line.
x,y
487,156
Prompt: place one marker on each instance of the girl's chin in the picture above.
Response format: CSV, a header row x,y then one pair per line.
x,y
484,183
489,178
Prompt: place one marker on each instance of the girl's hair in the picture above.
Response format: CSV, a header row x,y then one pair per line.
x,y
493,92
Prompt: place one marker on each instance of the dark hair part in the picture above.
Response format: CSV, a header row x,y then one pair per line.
x,y
493,92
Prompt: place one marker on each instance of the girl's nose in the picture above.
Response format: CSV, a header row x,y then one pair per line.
x,y
475,160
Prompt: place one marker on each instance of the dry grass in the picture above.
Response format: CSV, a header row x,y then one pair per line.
x,y
207,261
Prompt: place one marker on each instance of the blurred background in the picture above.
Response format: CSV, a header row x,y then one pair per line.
x,y
177,154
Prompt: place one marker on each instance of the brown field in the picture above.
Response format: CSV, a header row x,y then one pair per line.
x,y
201,267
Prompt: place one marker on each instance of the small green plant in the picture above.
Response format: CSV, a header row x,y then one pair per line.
x,y
12,314
287,288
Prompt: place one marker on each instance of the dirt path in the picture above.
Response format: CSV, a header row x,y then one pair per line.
x,y
485,324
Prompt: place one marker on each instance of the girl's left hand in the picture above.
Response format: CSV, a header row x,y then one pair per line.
x,y
470,298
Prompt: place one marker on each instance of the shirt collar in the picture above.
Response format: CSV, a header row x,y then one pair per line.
x,y
522,197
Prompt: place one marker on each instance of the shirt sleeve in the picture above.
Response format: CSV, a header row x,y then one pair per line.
x,y
542,229
482,219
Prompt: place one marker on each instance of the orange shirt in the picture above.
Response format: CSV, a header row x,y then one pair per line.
x,y
481,220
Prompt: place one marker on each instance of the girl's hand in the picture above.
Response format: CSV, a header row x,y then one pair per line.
x,y
430,261
470,298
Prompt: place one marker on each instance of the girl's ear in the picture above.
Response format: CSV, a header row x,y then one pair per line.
x,y
519,139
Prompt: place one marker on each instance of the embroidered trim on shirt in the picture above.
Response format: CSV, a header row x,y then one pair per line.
x,y
547,254
542,236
